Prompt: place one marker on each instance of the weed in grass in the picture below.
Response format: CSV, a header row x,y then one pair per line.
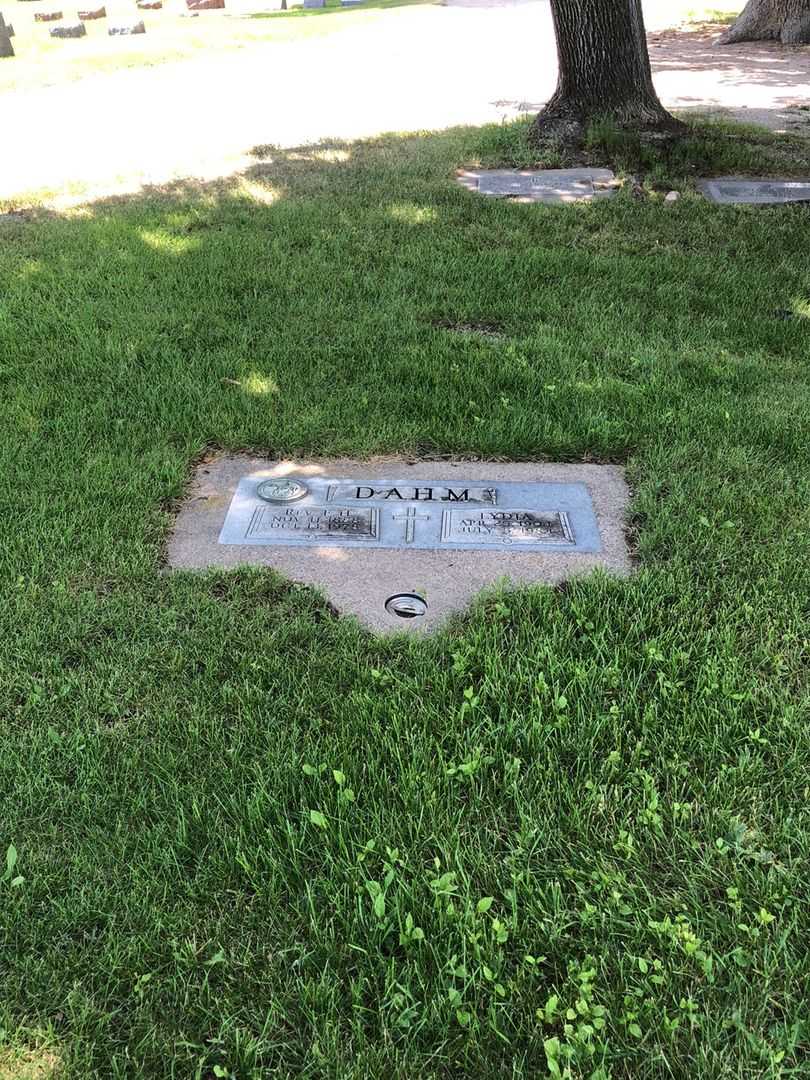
x,y
486,330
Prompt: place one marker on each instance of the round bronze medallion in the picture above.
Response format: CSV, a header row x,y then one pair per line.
x,y
281,490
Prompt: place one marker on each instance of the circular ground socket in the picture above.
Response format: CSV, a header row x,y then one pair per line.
x,y
406,605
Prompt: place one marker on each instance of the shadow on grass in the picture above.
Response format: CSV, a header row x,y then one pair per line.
x,y
332,273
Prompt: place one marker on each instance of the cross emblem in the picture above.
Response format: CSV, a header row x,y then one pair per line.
x,y
410,518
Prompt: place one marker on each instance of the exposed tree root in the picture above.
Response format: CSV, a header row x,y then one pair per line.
x,y
787,21
568,126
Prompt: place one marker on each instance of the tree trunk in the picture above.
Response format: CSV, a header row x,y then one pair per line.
x,y
787,21
604,71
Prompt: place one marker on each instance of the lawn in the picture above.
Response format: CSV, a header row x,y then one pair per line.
x,y
171,34
566,836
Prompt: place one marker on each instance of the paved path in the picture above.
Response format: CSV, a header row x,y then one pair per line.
x,y
414,68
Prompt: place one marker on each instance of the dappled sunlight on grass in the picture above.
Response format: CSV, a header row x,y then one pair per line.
x,y
410,214
29,269
42,1063
331,155
259,384
169,243
257,192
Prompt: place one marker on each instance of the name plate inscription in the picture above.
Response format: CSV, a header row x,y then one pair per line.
x,y
302,522
782,192
438,515
457,493
506,527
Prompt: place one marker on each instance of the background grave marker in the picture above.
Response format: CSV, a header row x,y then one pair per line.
x,y
735,190
126,28
69,30
541,185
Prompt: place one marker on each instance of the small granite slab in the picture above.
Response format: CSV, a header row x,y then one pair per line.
x,y
746,191
124,29
437,533
541,185
89,14
48,16
149,5
69,30
205,5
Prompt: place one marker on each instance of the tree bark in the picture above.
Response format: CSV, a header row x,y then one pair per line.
x,y
787,21
604,71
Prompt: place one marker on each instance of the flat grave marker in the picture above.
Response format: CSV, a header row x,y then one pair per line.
x,y
741,191
369,533
126,28
554,186
411,513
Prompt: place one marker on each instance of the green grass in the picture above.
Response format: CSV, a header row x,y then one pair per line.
x,y
334,6
714,14
677,12
566,836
